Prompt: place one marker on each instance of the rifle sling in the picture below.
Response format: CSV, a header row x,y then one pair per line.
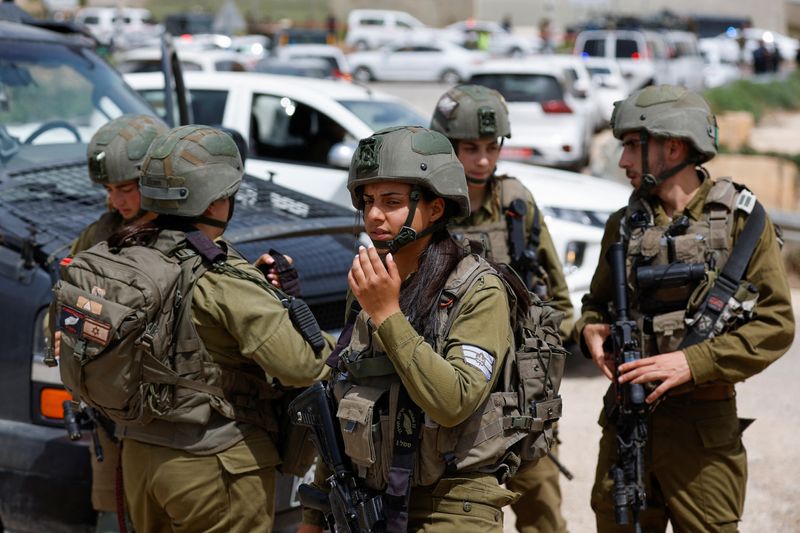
x,y
407,426
728,281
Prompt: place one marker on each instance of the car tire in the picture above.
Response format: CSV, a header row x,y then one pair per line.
x,y
363,75
515,53
450,77
362,45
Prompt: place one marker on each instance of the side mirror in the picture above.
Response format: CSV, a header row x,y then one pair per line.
x,y
340,154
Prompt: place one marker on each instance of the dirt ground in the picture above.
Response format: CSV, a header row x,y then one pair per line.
x,y
773,487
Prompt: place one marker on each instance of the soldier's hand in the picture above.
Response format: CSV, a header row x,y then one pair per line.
x,y
595,336
671,369
266,264
377,287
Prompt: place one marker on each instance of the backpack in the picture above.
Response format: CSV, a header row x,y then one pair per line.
x,y
532,374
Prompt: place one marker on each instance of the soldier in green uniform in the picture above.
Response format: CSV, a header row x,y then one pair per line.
x,y
679,218
217,474
114,154
413,393
475,119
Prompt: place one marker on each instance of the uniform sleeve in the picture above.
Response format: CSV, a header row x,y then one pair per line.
x,y
236,316
594,308
85,240
450,387
548,258
746,351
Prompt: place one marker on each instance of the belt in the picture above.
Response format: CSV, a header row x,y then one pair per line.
x,y
709,393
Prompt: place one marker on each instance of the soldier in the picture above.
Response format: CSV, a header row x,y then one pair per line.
x,y
678,217
399,366
114,155
210,465
475,119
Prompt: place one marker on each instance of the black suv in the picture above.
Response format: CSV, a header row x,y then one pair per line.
x,y
55,92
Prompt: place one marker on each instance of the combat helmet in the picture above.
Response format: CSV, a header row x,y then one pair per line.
x,y
667,111
471,112
188,168
117,149
413,155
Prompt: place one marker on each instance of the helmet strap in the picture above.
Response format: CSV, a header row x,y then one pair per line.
x,y
650,181
407,234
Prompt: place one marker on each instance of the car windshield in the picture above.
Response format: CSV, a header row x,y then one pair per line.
x,y
522,87
382,114
55,96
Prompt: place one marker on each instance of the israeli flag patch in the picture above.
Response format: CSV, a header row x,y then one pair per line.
x,y
480,359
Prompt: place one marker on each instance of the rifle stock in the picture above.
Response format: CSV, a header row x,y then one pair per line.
x,y
348,506
631,423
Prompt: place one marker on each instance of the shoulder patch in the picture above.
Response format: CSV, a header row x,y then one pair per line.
x,y
746,201
480,359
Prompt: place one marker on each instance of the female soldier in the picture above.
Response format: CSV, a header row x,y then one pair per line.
x,y
413,386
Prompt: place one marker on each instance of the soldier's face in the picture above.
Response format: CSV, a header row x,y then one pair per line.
x,y
386,207
631,159
479,157
124,197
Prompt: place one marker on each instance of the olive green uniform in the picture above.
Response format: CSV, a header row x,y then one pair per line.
x,y
696,466
104,474
221,476
539,506
449,391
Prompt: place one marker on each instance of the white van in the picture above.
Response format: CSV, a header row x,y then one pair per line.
x,y
372,28
685,63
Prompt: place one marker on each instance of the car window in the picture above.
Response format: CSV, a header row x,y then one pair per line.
x,y
594,48
378,115
404,25
281,128
91,20
228,65
627,48
371,22
208,106
189,66
522,87
594,71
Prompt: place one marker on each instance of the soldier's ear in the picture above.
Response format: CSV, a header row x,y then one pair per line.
x,y
437,206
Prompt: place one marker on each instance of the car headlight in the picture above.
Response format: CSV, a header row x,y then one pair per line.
x,y
573,258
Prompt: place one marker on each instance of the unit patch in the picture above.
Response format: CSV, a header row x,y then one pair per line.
x,y
70,320
96,331
89,305
480,359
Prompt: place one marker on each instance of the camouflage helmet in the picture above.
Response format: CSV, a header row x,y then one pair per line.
x,y
409,154
117,149
471,112
668,111
188,168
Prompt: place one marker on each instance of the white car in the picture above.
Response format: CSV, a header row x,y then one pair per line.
x,y
108,24
332,55
685,63
371,28
192,60
547,125
716,70
727,44
416,61
609,83
579,84
500,41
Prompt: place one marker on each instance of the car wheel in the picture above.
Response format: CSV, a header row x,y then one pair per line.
x,y
362,45
515,53
362,74
450,76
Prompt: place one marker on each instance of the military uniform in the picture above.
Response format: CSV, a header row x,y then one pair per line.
x,y
696,466
450,384
227,467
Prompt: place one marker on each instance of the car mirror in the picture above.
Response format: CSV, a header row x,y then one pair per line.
x,y
340,154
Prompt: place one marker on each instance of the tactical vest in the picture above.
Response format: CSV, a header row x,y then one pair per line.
x,y
670,269
493,439
129,347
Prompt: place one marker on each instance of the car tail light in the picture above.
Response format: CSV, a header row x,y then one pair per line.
x,y
339,75
635,55
556,106
51,402
516,153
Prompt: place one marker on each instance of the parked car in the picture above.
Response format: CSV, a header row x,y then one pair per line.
x,y
301,132
56,95
309,67
108,23
685,63
149,60
500,42
333,55
188,23
730,50
548,127
642,55
424,60
716,70
371,28
609,84
579,84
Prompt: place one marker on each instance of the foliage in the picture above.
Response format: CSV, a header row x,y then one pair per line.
x,y
756,96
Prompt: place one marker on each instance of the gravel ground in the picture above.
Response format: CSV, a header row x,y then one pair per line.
x,y
773,491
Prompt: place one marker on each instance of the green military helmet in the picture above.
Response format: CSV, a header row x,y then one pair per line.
x,y
409,154
117,149
668,111
188,168
471,112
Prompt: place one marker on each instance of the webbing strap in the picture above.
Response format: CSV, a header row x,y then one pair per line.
x,y
728,281
408,423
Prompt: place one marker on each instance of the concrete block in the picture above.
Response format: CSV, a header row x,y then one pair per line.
x,y
773,180
735,128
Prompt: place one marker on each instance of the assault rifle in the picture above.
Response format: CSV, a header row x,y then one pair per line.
x,y
524,259
78,416
628,472
348,506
